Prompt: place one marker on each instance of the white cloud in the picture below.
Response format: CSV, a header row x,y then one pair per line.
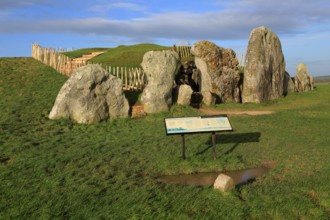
x,y
299,10
8,4
102,8
233,20
211,25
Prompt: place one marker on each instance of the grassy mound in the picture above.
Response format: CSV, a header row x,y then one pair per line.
x,y
130,56
58,169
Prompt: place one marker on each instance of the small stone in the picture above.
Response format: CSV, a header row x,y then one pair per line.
x,y
182,94
224,183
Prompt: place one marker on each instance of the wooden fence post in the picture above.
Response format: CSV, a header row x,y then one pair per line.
x,y
132,78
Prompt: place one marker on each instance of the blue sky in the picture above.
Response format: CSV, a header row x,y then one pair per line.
x,y
303,26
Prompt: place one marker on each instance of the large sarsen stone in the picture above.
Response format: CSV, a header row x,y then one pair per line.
x,y
219,72
160,68
264,67
89,96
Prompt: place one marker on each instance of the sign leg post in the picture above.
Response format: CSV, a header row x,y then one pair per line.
x,y
183,147
213,143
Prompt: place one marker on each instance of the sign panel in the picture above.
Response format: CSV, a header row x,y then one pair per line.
x,y
200,124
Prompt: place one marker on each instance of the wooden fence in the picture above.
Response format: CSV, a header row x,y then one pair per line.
x,y
183,51
132,78
60,62
62,50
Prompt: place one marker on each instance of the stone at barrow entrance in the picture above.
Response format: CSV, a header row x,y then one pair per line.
x,y
182,94
219,72
224,183
89,96
160,68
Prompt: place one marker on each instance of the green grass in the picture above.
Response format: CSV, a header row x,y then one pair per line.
x,y
58,169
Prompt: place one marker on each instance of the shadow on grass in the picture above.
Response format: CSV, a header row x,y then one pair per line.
x,y
232,138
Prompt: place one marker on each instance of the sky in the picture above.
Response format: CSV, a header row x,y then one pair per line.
x,y
303,26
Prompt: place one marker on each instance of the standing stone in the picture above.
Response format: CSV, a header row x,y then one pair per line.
x,y
288,86
160,68
224,183
264,67
89,96
219,72
311,80
303,80
182,94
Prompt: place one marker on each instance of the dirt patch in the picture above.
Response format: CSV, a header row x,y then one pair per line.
x,y
234,112
269,164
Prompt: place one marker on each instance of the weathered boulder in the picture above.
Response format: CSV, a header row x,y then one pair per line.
x,y
288,86
182,94
219,72
303,80
89,96
264,67
224,183
160,68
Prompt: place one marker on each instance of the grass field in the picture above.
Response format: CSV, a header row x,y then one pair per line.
x,y
61,170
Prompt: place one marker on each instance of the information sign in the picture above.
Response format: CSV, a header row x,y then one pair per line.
x,y
200,124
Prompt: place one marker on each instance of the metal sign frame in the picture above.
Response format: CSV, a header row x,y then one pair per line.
x,y
194,125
